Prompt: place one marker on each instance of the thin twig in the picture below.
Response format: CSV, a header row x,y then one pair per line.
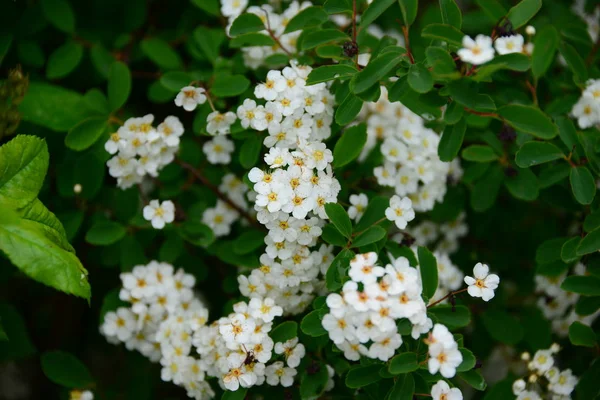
x,y
446,296
481,114
407,43
592,55
198,174
275,38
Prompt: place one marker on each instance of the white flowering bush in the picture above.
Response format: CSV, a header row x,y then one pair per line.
x,y
336,199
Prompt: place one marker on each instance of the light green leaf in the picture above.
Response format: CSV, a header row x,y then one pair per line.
x,y
250,39
361,376
590,243
409,10
545,45
175,80
86,133
451,14
530,120
209,40
119,85
239,394
64,60
65,369
403,363
226,85
349,146
493,9
284,331
371,235
337,6
452,317
348,110
310,16
311,324
322,36
479,153
534,153
574,61
583,285
250,151
447,33
468,361
419,78
330,72
474,379
404,388
376,70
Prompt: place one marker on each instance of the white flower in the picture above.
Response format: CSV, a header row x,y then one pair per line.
x,y
233,8
293,351
484,283
359,204
219,124
565,384
587,111
478,51
442,391
528,395
542,361
264,309
218,150
159,214
120,324
518,386
81,395
189,97
444,360
277,373
400,211
509,44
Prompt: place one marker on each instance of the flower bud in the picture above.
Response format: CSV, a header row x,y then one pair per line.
x,y
518,386
530,30
77,188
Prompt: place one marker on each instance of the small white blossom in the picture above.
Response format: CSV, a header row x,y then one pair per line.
x,y
159,214
483,284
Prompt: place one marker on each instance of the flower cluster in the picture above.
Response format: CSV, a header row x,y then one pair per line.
x,y
291,194
483,48
365,313
275,24
444,355
558,305
411,163
160,322
587,108
545,379
140,149
223,215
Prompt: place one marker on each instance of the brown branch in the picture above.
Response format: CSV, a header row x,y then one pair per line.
x,y
446,296
198,174
481,114
592,55
275,38
407,43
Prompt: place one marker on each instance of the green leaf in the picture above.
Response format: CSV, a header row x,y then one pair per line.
x,y
474,379
29,51
349,146
161,53
371,235
64,60
590,243
567,132
375,9
429,271
467,93
6,40
587,305
587,387
339,217
348,110
419,78
249,241
65,369
322,36
337,6
530,120
374,212
250,39
246,23
361,376
226,85
60,14
104,233
520,14
451,14
285,331
409,10
19,345
581,335
312,385
574,61
403,363
524,185
209,41
119,85
456,317
503,327
239,394
584,285
175,80
102,59
479,153
447,33
23,162
583,185
568,251
332,236
330,72
545,45
492,8
549,251
404,388
250,151
468,361
196,233
534,153
311,324
376,70
592,221
310,16
441,62
452,140
485,191
513,61
340,262
86,133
